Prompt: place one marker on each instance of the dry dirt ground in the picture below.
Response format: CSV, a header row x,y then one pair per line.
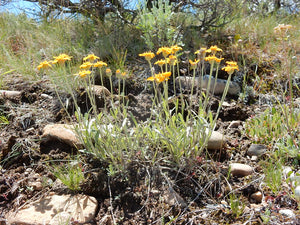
x,y
145,193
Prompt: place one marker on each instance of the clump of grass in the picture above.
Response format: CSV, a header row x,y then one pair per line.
x,y
69,173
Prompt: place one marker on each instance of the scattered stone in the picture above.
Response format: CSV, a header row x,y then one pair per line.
x,y
62,132
256,150
288,213
45,96
297,192
36,185
240,170
9,94
216,86
100,90
234,124
254,158
216,141
287,172
56,208
172,198
257,196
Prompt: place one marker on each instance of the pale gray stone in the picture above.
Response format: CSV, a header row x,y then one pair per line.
x,y
256,150
216,86
80,208
216,141
9,94
288,213
297,192
62,132
240,170
234,124
171,197
100,90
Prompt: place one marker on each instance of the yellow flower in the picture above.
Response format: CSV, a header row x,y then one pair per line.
x,y
108,72
118,73
99,64
175,48
83,73
86,65
160,77
148,55
44,65
61,59
193,63
231,63
172,60
160,62
212,59
124,75
231,67
90,57
214,49
165,51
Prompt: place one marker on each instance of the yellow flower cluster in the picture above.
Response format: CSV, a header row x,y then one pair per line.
x,y
166,51
212,59
61,59
89,63
231,67
44,65
148,55
160,77
57,60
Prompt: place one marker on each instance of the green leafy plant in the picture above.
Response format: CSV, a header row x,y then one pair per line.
x,y
272,125
69,173
273,175
157,24
236,205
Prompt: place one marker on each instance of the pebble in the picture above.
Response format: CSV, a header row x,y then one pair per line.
x,y
80,208
234,124
9,94
100,90
62,132
240,170
297,193
288,213
256,150
36,185
216,141
172,198
257,196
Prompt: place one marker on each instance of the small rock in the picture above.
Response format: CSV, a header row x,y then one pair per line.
x,y
297,192
256,150
257,196
100,90
254,158
45,96
62,132
172,198
288,213
240,170
9,94
36,185
234,124
215,141
287,172
81,208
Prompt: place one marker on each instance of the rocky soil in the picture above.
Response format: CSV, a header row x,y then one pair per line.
x,y
197,193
